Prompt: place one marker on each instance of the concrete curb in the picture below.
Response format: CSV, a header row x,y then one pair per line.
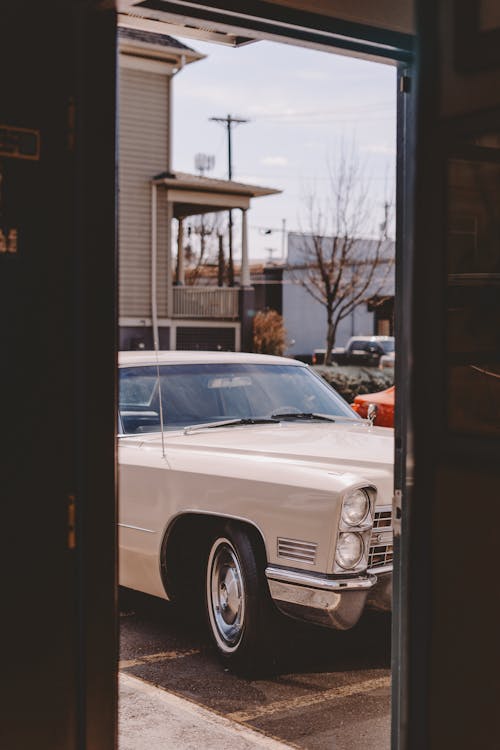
x,y
153,719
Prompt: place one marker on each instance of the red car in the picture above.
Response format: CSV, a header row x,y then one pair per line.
x,y
383,400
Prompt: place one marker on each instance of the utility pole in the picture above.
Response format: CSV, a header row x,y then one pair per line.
x,y
228,122
270,230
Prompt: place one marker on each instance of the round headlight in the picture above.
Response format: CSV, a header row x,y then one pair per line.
x,y
356,507
349,549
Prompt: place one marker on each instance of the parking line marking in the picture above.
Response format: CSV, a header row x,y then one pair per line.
x,y
160,656
304,701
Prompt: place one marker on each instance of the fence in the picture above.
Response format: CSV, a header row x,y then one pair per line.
x,y
212,302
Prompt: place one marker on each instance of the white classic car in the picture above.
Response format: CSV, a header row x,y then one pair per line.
x,y
247,483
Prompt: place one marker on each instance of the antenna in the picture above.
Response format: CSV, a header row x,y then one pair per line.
x,y
154,320
270,230
204,163
160,400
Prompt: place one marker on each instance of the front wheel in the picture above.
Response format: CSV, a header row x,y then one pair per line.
x,y
239,609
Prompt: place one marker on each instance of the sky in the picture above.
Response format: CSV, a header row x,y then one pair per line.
x,y
301,104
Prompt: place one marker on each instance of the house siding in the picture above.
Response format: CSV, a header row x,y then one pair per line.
x,y
143,153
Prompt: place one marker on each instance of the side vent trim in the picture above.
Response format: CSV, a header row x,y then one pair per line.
x,y
293,549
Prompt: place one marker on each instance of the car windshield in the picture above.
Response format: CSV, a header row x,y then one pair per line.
x,y
387,346
203,393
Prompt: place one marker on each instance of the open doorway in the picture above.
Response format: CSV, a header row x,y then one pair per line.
x,y
264,180
58,281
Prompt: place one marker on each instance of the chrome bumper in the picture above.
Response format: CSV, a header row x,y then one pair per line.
x,y
380,596
334,603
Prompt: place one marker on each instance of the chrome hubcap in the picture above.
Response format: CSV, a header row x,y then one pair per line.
x,y
226,594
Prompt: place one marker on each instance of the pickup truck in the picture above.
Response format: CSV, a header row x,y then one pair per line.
x,y
360,350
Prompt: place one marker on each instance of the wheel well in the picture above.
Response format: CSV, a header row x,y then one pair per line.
x,y
185,549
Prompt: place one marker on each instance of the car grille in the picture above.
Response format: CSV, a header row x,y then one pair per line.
x,y
380,552
293,549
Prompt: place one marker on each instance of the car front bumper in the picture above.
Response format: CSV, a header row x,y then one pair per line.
x,y
334,603
380,596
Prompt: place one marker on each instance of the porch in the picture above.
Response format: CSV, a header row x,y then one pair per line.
x,y
202,302
190,195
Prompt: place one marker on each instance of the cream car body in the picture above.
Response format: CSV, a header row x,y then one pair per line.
x,y
285,480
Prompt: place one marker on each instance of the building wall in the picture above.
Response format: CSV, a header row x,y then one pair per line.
x,y
268,287
143,153
305,318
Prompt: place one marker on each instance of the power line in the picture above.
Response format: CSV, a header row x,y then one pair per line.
x,y
301,120
387,105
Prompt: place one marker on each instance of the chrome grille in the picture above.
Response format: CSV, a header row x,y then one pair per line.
x,y
294,549
381,549
383,518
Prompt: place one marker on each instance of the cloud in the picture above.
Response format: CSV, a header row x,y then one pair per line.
x,y
274,161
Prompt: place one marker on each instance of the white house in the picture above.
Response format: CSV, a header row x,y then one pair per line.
x,y
154,200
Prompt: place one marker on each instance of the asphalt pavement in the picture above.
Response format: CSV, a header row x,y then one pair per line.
x,y
329,690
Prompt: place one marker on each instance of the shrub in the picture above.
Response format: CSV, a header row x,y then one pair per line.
x,y
269,334
350,381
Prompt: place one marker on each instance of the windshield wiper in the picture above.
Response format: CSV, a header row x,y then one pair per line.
x,y
229,422
313,415
274,418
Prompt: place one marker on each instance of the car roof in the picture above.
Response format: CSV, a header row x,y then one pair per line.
x,y
200,357
364,338
373,338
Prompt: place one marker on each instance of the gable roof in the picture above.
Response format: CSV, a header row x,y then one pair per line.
x,y
155,44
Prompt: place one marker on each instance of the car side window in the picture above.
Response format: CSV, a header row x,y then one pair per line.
x,y
360,346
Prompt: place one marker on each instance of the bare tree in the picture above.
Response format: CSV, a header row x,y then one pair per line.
x,y
338,268
200,252
221,261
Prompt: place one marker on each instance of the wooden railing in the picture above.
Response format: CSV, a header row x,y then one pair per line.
x,y
205,302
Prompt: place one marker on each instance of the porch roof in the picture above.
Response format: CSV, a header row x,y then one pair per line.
x,y
192,194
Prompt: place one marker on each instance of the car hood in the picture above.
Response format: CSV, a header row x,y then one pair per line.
x,y
341,447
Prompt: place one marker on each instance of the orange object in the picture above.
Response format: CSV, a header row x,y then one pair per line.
x,y
384,400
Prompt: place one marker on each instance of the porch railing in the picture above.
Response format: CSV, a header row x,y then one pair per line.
x,y
207,302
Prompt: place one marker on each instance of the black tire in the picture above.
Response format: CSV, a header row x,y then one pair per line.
x,y
240,614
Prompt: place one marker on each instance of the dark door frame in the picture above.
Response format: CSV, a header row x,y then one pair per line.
x,y
261,18
57,375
